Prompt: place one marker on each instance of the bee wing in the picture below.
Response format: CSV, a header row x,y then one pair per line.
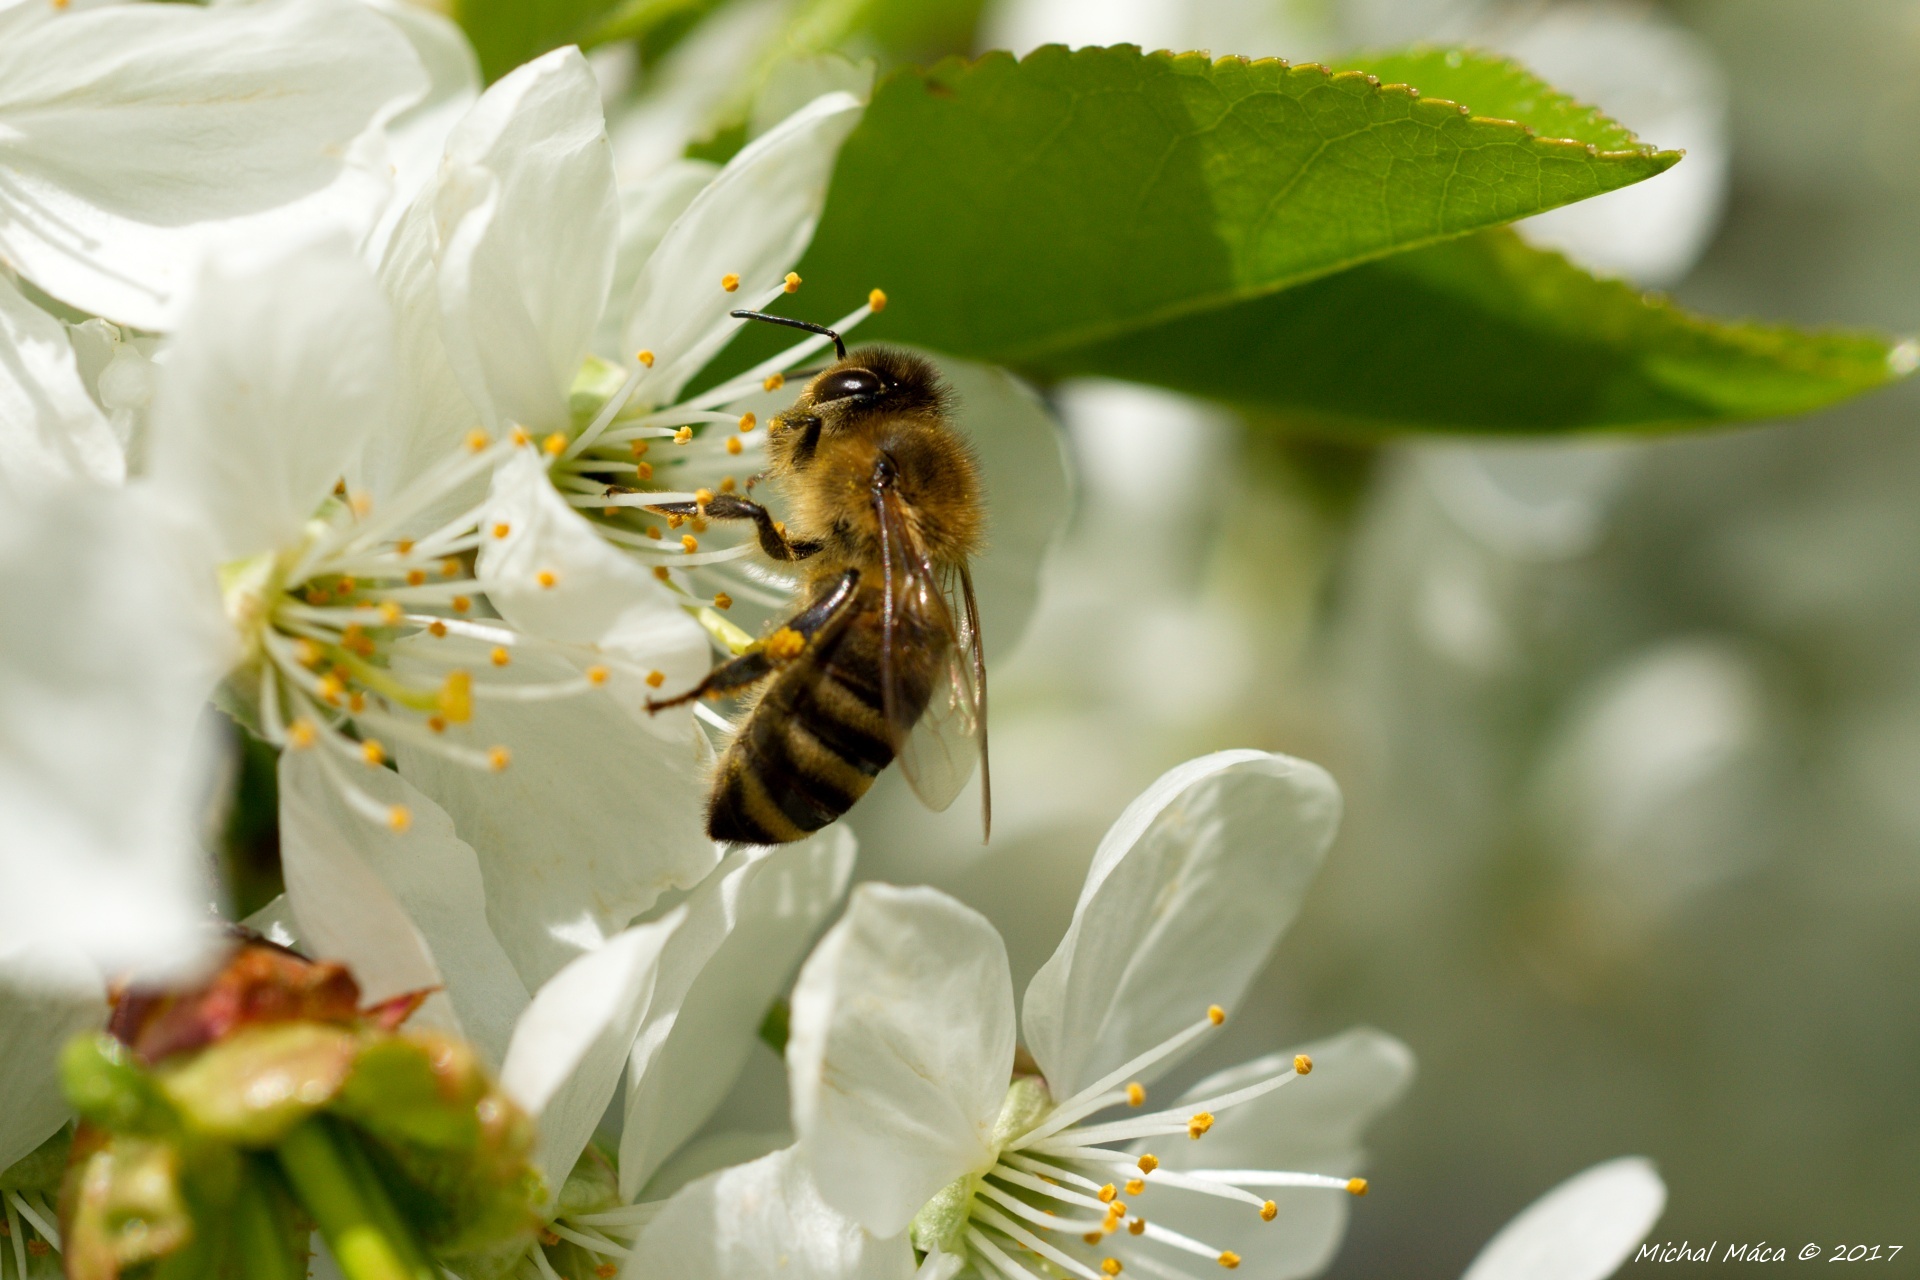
x,y
937,747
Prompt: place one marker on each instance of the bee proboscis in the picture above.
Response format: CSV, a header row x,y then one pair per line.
x,y
882,660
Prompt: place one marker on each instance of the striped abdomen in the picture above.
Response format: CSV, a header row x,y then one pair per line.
x,y
818,737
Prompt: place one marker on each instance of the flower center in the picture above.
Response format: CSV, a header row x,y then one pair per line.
x,y
1052,1206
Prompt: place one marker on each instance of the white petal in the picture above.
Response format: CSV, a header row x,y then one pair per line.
x,y
110,641
600,595
711,1154
527,222
594,819
50,429
647,210
140,137
753,221
280,369
747,927
417,137
571,1044
900,1052
406,910
1312,1125
1583,1229
758,1220
1186,896
47,997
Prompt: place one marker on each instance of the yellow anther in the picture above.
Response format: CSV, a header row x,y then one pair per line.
x,y
730,282
437,723
1135,1186
655,679
436,628
747,421
461,603
500,656
773,381
1148,1164
372,752
609,512
399,817
546,579
301,734
415,577
502,529
356,702
699,523
606,1271
1302,1063
683,436
361,503
1136,1094
721,600
660,572
640,447
597,675
644,356
478,439
1269,1211
1216,1015
644,470
1199,1124
877,300
674,522
547,1237
702,497
519,436
1110,1265
347,585
1229,1259
653,531
1358,1186
307,653
391,612
1137,1227
784,644
793,282
456,697
1093,1237
450,567
733,444
330,688
727,483
404,546
319,596
689,543
1116,1211
499,758
554,445
1107,1193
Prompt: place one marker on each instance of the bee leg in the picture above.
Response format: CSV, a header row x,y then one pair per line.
x,y
729,506
778,649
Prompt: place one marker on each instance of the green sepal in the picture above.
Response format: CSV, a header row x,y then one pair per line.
x,y
259,1082
107,1087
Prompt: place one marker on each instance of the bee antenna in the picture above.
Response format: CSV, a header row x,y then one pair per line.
x,y
839,347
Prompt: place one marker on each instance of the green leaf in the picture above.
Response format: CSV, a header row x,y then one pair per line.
x,y
1488,334
1013,208
506,33
1494,86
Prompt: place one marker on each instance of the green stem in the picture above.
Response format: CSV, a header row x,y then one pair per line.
x,y
260,1228
368,1238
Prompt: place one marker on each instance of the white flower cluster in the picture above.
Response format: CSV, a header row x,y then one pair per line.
x,y
335,390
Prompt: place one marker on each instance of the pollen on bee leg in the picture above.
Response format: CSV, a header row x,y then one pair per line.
x,y
1107,1193
399,817
683,436
478,439
877,300
655,679
645,357
1148,1163
1216,1015
1302,1064
372,752
773,381
792,282
1229,1259
1269,1211
498,758
1357,1186
1136,1094
301,734
597,674
500,656
787,643
730,281
1199,1124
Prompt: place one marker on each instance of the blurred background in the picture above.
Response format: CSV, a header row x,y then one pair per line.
x,y
1629,728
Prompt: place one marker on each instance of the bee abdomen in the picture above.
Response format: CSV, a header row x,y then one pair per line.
x,y
801,760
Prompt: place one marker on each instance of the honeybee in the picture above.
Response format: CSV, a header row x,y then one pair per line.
x,y
882,659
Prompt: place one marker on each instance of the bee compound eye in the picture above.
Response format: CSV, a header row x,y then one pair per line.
x,y
847,384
